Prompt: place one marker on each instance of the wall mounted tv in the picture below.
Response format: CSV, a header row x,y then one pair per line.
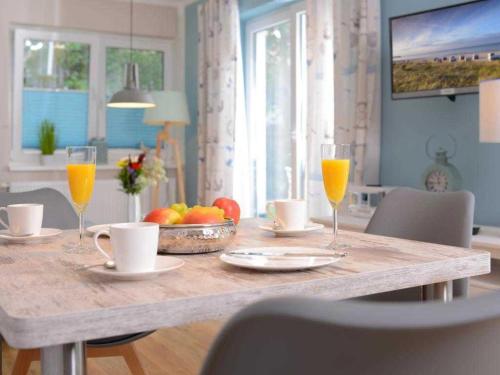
x,y
445,51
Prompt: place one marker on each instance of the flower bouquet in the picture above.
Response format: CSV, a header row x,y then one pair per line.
x,y
137,173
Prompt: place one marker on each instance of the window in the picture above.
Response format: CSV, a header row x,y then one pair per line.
x,y
55,73
124,127
68,77
276,83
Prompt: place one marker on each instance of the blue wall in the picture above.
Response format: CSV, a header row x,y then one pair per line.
x,y
407,124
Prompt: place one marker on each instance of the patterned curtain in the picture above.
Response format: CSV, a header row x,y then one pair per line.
x,y
344,64
220,99
357,79
320,91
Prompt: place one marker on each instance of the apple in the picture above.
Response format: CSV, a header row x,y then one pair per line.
x,y
231,208
204,215
163,216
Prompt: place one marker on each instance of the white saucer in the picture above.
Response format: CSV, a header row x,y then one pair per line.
x,y
44,233
96,228
163,264
310,227
279,262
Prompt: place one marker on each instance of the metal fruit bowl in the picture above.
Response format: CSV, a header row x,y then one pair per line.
x,y
195,238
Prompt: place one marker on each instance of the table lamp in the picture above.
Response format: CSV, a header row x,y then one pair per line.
x,y
171,110
489,111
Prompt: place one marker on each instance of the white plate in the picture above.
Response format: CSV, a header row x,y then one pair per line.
x,y
44,233
163,264
277,262
310,227
96,228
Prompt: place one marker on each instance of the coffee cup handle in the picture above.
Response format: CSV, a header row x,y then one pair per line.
x,y
1,221
270,210
96,242
271,214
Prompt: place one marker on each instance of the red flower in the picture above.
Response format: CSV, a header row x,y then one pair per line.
x,y
135,166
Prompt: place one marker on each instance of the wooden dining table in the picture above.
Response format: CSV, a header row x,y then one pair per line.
x,y
48,300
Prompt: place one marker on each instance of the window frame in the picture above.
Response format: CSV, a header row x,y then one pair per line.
x,y
98,43
292,14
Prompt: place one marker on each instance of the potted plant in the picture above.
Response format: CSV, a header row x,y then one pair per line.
x,y
47,142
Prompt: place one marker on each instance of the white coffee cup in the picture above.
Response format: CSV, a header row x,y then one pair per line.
x,y
134,246
288,214
24,219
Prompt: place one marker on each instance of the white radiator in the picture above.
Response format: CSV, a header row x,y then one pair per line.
x,y
108,204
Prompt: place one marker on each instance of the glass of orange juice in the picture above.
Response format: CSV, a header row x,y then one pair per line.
x,y
335,165
80,168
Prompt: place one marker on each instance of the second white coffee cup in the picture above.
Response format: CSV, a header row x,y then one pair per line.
x,y
288,214
24,219
134,246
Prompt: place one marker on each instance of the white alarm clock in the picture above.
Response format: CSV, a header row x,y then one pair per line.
x,y
442,176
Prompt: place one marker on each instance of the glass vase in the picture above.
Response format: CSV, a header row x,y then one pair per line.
x,y
134,208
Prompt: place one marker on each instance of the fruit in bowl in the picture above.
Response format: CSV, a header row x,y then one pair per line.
x,y
204,215
163,216
181,208
231,208
198,229
179,213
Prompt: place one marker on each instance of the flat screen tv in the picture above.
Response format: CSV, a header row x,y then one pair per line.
x,y
445,51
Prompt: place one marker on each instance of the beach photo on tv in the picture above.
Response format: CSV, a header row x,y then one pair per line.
x,y
449,48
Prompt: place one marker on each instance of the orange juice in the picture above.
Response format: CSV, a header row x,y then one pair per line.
x,y
335,178
81,183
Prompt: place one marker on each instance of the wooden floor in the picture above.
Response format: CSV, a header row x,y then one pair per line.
x,y
173,351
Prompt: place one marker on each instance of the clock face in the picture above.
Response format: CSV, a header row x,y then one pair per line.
x,y
437,181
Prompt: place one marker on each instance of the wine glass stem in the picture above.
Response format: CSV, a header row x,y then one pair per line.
x,y
80,226
335,225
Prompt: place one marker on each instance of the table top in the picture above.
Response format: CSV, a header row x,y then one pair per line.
x,y
488,237
45,300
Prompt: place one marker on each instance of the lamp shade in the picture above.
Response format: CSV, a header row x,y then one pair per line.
x,y
131,96
171,107
489,111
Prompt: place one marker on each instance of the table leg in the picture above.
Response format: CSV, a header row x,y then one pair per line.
x,y
67,359
439,291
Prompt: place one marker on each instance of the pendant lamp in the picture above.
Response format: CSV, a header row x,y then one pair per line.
x,y
131,96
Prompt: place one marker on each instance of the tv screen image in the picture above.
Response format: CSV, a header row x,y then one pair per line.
x,y
445,51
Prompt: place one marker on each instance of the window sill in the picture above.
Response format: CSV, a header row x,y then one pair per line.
x,y
29,167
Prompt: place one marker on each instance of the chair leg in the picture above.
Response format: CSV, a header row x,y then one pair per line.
x,y
23,361
129,353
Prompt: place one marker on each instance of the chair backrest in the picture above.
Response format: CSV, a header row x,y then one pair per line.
x,y
442,218
57,210
296,336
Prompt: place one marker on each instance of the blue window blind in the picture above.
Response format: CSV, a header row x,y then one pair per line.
x,y
68,110
125,129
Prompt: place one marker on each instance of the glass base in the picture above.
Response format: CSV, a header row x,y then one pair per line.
x,y
337,246
76,248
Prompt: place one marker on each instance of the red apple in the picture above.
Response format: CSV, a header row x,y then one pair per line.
x,y
163,216
231,208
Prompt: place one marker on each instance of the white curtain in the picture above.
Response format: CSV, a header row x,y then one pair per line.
x,y
221,117
320,93
343,77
